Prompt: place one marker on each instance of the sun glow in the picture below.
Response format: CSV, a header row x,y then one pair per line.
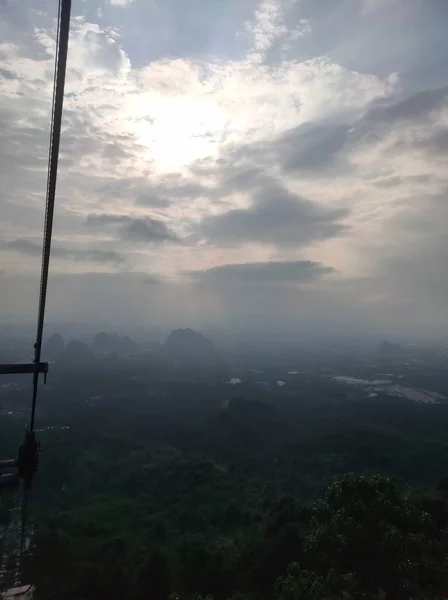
x,y
180,130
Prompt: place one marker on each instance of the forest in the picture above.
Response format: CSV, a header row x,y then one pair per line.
x,y
192,491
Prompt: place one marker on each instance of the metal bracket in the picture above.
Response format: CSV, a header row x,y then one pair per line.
x,y
21,368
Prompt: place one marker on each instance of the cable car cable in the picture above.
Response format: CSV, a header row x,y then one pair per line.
x,y
30,448
58,99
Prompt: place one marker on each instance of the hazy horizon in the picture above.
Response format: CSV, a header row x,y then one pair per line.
x,y
256,165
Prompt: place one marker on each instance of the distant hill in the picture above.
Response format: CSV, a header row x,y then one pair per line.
x,y
76,352
189,344
102,343
53,347
127,345
111,343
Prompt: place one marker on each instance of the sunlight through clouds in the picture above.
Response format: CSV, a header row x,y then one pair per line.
x,y
294,134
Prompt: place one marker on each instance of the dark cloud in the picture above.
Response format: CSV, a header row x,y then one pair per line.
x,y
324,147
6,74
153,200
151,280
302,271
311,146
239,169
242,179
144,229
409,108
148,230
276,217
33,249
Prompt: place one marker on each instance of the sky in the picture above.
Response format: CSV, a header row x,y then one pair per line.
x,y
249,163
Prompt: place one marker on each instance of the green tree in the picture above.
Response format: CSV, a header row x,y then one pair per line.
x,y
301,585
368,540
276,553
154,578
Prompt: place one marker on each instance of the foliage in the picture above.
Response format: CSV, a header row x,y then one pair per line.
x,y
367,540
169,489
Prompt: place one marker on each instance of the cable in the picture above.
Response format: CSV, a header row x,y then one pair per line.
x,y
30,444
58,99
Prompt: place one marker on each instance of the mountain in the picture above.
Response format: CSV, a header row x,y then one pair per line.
x,y
127,345
110,343
76,352
53,347
102,343
188,343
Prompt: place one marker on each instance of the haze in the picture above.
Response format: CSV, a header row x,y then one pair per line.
x,y
248,163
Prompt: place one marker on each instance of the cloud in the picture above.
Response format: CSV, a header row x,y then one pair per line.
x,y
276,217
307,149
6,74
157,192
148,230
312,146
324,147
120,2
138,229
414,106
370,6
171,189
276,128
271,272
436,143
269,26
26,247
151,280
